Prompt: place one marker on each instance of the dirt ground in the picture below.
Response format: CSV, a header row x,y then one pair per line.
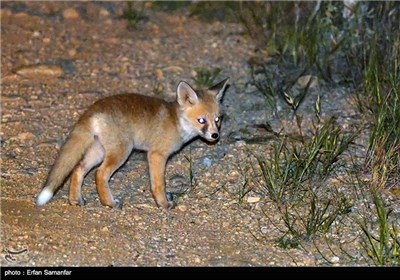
x,y
57,59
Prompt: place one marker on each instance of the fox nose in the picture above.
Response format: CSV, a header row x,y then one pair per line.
x,y
215,135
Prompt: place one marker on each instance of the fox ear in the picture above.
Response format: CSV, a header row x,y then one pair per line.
x,y
219,89
186,95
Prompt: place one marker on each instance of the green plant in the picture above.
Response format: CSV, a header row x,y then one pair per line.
x,y
295,180
170,6
268,85
287,242
215,10
205,77
203,10
132,15
309,36
244,187
381,84
158,88
360,53
191,174
383,247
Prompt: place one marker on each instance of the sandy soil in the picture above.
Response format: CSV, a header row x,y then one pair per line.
x,y
84,52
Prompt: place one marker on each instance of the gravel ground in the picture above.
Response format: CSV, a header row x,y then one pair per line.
x,y
57,59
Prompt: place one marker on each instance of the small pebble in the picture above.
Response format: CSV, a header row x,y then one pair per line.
x,y
105,229
335,259
182,207
207,162
70,14
240,143
253,199
26,136
104,13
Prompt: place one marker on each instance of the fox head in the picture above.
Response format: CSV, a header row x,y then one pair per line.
x,y
200,112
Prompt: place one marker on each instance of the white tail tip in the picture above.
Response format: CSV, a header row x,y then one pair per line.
x,y
44,197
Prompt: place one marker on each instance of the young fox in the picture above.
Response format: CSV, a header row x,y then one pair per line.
x,y
108,131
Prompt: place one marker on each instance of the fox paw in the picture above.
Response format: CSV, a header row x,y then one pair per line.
x,y
169,196
171,205
170,199
77,202
116,203
166,204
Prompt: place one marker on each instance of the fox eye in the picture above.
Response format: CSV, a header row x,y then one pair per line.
x,y
201,120
217,119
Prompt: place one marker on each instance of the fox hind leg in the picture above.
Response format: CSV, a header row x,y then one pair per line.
x,y
93,157
115,156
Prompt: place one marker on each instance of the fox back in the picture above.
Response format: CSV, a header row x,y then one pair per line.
x,y
112,127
